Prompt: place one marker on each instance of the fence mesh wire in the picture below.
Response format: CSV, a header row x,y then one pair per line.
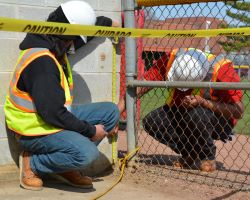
x,y
178,140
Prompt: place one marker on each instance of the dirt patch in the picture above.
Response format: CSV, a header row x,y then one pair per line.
x,y
155,162
178,189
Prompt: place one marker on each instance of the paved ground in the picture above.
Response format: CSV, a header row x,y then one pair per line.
x,y
10,190
127,189
134,186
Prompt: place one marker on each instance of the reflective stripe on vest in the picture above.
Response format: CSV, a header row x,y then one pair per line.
x,y
20,111
70,78
21,99
217,66
215,62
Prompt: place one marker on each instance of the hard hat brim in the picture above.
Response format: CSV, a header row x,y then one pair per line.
x,y
197,56
84,38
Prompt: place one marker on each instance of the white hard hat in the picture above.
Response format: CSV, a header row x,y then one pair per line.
x,y
189,66
79,12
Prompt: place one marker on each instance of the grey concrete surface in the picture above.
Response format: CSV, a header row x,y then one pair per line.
x,y
132,187
10,190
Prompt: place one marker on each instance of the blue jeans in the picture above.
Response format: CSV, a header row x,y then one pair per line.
x,y
69,150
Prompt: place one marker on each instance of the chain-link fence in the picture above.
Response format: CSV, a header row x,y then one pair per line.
x,y
198,134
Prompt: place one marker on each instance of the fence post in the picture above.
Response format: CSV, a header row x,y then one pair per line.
x,y
129,22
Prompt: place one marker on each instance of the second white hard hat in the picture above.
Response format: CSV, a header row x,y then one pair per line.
x,y
191,65
79,12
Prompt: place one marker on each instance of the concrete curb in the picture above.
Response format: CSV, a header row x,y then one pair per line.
x,y
9,172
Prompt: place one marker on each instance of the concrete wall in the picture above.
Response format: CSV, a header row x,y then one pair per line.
x,y
92,75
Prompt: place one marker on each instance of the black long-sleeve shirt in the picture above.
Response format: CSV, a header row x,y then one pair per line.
x,y
41,79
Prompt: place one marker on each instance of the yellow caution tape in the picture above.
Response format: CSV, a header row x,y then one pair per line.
x,y
41,27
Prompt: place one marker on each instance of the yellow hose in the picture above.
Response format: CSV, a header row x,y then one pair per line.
x,y
123,163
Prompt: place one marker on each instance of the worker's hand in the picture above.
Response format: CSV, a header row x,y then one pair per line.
x,y
191,101
113,132
100,133
115,23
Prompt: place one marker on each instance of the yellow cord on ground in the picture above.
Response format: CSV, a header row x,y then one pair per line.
x,y
123,162
114,138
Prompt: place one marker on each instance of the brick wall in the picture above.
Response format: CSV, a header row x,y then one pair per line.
x,y
189,23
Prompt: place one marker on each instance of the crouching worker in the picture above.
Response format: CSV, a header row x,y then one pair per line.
x,y
192,119
57,138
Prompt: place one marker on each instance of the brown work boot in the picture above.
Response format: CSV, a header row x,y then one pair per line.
x,y
182,163
28,179
208,165
76,179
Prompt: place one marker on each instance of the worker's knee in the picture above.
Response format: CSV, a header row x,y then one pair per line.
x,y
86,156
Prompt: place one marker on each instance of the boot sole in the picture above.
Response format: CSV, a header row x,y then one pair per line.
x,y
22,184
64,180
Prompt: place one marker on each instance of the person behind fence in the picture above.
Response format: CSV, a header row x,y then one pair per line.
x,y
192,119
57,138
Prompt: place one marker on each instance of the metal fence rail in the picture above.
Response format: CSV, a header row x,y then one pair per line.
x,y
188,84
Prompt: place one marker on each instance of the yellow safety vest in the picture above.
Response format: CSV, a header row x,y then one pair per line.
x,y
20,110
215,62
